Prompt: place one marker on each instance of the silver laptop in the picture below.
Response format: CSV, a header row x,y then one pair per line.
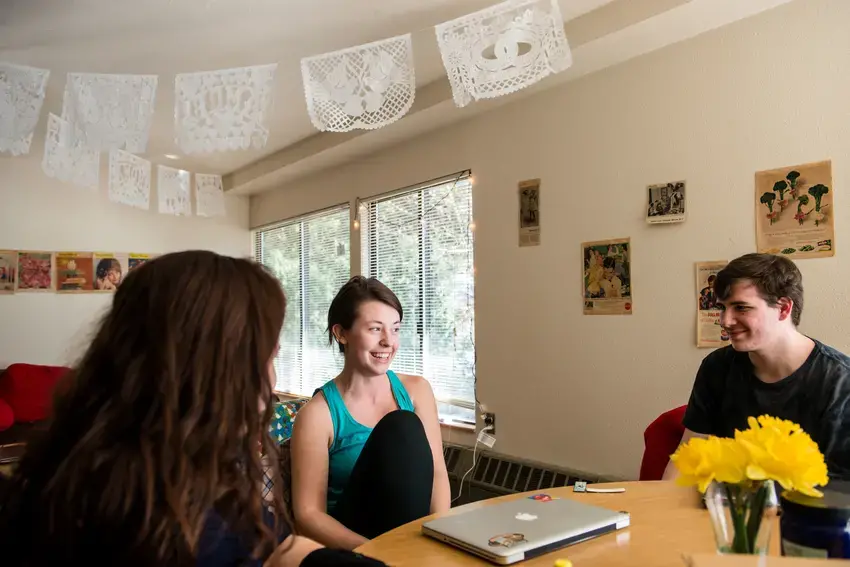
x,y
516,530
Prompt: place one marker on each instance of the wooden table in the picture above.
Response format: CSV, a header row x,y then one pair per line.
x,y
668,523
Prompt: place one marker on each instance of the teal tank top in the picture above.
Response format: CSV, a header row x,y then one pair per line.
x,y
350,436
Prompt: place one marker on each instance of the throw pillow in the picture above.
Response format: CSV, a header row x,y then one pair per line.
x,y
284,416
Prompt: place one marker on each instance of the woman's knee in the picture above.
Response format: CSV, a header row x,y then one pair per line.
x,y
402,423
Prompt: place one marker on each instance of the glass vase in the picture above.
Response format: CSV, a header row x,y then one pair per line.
x,y
742,516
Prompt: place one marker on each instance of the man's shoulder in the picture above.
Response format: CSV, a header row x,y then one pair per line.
x,y
837,363
723,357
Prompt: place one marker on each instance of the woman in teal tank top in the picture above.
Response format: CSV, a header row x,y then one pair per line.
x,y
366,450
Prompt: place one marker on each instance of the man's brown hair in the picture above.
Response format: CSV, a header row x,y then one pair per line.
x,y
773,276
159,426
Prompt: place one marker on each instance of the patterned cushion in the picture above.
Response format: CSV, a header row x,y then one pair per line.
x,y
281,431
284,416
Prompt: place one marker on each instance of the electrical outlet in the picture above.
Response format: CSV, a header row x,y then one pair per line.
x,y
490,419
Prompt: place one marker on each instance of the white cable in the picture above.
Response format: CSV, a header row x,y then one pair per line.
x,y
474,453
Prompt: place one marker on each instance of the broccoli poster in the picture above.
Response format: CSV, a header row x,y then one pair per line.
x,y
709,332
607,277
794,211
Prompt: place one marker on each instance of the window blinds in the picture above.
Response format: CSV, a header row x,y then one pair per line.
x,y
311,256
419,242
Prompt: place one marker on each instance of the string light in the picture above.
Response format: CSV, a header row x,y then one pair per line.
x,y
356,224
472,226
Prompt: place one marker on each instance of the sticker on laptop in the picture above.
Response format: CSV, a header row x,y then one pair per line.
x,y
507,540
543,497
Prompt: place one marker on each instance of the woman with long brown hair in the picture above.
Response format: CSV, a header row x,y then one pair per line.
x,y
153,453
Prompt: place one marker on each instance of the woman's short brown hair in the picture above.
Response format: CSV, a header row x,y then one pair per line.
x,y
355,292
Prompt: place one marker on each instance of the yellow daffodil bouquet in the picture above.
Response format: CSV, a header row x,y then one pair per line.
x,y
737,476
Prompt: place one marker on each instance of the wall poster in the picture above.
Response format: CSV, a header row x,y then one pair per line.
x,y
607,277
529,212
795,211
709,332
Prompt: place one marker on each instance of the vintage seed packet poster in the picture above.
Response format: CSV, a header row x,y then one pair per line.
x,y
795,212
666,203
607,277
8,265
109,270
74,272
529,213
35,271
709,332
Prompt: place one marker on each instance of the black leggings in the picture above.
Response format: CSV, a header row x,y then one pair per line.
x,y
391,482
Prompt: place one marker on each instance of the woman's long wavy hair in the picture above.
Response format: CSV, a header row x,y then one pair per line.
x,y
159,424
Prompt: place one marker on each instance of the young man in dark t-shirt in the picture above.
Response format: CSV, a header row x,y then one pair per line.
x,y
770,367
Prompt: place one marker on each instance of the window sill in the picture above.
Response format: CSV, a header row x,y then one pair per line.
x,y
285,396
460,425
447,423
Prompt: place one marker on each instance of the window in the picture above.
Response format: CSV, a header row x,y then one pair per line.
x,y
311,256
419,243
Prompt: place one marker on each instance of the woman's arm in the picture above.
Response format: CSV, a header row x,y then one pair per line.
x,y
301,552
426,408
311,435
291,552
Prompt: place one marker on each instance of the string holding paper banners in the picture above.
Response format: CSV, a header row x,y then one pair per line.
x,y
21,98
223,110
129,179
172,188
110,112
67,159
209,195
366,87
502,49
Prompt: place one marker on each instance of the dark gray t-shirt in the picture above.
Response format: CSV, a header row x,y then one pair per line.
x,y
726,392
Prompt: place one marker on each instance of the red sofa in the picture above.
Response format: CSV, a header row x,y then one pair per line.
x,y
26,392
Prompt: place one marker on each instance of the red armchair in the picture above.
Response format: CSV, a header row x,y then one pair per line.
x,y
661,439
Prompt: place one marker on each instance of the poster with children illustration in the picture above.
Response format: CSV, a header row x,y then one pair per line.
x,y
136,260
709,332
8,264
35,271
74,272
606,277
665,203
109,270
795,211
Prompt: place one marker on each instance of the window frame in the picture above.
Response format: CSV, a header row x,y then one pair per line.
x,y
368,207
257,252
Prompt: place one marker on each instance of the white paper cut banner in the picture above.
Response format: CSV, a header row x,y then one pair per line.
x,y
21,99
110,112
223,110
209,195
366,87
503,49
129,179
66,159
172,187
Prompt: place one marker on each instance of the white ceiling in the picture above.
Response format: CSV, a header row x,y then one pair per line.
x,y
165,37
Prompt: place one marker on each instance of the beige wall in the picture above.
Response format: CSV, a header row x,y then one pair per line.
x,y
576,390
40,213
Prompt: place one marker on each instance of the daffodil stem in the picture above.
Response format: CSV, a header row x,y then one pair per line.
x,y
738,511
756,515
